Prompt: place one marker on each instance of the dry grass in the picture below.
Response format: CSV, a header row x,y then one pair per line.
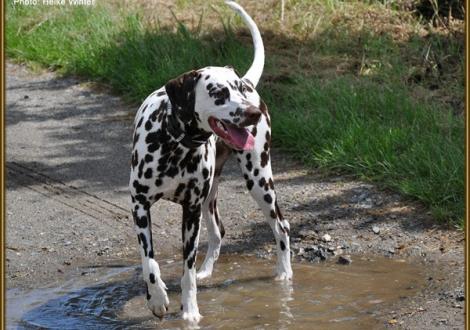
x,y
329,38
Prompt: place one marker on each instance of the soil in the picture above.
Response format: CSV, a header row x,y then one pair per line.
x,y
68,158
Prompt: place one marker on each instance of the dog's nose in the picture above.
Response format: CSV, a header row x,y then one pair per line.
x,y
252,115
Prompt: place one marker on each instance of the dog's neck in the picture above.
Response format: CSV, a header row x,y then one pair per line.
x,y
186,133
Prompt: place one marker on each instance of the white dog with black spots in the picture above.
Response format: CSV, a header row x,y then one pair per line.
x,y
184,133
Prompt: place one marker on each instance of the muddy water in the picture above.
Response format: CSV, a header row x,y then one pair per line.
x,y
241,294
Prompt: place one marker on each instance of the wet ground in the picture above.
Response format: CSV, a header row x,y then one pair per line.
x,y
240,295
71,247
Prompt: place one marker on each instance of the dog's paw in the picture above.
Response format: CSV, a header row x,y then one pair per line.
x,y
284,276
203,274
157,300
192,317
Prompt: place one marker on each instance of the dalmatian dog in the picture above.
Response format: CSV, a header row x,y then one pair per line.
x,y
184,133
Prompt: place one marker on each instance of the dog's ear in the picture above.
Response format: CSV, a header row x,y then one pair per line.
x,y
181,93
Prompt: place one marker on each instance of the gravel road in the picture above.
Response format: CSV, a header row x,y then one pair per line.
x,y
68,156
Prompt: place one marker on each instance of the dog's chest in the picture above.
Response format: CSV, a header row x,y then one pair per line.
x,y
163,168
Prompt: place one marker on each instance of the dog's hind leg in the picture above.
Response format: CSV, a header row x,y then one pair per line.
x,y
215,228
256,168
157,299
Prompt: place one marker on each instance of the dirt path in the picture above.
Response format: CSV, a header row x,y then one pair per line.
x,y
67,166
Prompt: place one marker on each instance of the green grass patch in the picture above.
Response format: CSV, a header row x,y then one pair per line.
x,y
377,133
369,125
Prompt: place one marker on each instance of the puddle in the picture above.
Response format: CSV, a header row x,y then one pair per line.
x,y
241,294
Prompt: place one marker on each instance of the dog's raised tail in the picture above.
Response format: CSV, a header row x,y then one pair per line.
x,y
255,71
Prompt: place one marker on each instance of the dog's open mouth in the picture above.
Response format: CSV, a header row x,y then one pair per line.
x,y
238,137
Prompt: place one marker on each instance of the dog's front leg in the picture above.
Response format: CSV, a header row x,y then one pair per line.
x,y
157,299
256,168
191,223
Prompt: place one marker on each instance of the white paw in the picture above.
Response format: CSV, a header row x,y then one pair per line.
x,y
284,276
192,317
202,274
158,302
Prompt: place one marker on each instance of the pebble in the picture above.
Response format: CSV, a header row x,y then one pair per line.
x,y
307,233
344,260
376,229
326,238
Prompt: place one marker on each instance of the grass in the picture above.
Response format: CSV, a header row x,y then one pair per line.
x,y
354,87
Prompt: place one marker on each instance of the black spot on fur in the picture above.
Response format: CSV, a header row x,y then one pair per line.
x,y
262,182
145,108
249,184
148,125
179,189
140,122
142,200
264,158
136,138
283,245
148,158
153,147
152,278
148,296
172,171
249,166
273,214
268,198
205,173
141,221
148,173
143,239
256,172
205,189
135,159
161,93
266,146
191,262
141,168
139,188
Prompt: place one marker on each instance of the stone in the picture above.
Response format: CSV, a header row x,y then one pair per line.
x,y
344,260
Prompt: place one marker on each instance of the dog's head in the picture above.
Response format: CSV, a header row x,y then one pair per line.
x,y
219,101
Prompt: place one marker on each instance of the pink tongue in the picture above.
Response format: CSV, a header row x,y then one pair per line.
x,y
241,138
